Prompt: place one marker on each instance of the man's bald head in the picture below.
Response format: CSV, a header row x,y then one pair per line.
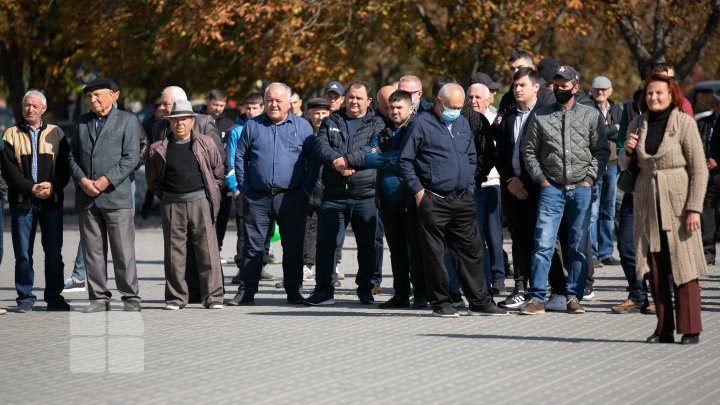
x,y
412,85
382,99
452,95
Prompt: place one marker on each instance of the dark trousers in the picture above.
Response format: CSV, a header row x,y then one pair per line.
x,y
261,210
687,296
711,216
379,248
637,291
240,227
311,222
24,226
223,217
190,225
401,231
520,219
452,223
333,218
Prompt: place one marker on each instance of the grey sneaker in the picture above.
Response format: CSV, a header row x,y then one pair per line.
x,y
74,285
24,308
132,306
556,303
97,306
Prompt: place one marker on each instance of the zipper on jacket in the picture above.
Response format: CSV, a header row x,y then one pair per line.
x,y
562,136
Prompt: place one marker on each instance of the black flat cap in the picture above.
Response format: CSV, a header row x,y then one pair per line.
x,y
317,103
99,83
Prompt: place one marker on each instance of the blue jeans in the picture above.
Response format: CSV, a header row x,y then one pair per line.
x,y
552,203
602,221
637,291
24,225
2,220
333,218
493,233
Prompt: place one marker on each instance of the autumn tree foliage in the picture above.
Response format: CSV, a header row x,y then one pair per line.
x,y
198,44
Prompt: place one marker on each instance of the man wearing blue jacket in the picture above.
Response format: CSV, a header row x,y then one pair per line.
x,y
348,196
275,174
437,165
398,211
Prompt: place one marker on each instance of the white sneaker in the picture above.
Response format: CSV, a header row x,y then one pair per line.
x,y
308,273
340,276
74,285
172,307
223,260
556,303
3,311
216,306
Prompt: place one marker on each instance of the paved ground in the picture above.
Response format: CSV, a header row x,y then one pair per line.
x,y
276,353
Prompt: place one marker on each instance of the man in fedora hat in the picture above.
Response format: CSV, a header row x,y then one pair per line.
x,y
185,171
104,152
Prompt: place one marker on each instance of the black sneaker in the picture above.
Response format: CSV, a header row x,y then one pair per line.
x,y
243,297
490,310
445,312
513,301
419,303
320,297
58,306
295,299
366,297
611,261
396,302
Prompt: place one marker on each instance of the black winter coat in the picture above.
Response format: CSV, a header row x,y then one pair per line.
x,y
333,142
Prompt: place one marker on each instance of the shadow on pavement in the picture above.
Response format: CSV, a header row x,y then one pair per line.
x,y
533,338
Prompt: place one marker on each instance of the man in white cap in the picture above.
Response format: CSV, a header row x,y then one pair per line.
x,y
602,220
185,171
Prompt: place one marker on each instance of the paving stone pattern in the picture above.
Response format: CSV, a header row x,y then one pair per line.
x,y
346,354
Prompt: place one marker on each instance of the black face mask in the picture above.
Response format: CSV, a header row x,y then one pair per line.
x,y
563,96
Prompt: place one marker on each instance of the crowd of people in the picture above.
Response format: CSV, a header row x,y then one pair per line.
x,y
436,180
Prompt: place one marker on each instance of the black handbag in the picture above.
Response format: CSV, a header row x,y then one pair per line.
x,y
627,177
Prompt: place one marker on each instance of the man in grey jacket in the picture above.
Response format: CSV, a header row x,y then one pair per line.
x,y
561,150
104,152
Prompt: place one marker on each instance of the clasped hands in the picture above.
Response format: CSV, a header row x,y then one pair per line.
x,y
94,188
42,190
342,166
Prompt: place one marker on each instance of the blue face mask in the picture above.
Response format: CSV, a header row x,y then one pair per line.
x,y
449,114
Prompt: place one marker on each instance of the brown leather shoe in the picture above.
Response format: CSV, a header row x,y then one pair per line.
x,y
574,307
532,308
627,307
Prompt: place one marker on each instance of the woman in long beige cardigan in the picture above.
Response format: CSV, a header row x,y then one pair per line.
x,y
668,197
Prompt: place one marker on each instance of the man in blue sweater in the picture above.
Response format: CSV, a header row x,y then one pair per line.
x,y
437,165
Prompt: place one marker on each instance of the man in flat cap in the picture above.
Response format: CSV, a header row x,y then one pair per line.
x,y
104,152
564,150
185,170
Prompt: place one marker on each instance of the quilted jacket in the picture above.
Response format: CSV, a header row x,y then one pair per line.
x,y
564,147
